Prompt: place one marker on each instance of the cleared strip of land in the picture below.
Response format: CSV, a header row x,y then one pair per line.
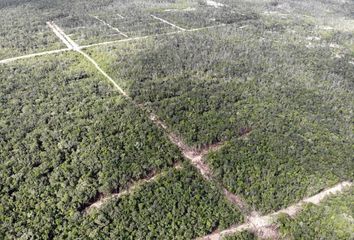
x,y
104,73
59,35
99,203
8,60
105,43
169,23
152,36
110,26
195,156
62,36
264,223
120,16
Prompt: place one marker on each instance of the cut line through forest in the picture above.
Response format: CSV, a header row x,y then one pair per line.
x,y
110,26
8,60
191,154
263,225
130,189
167,22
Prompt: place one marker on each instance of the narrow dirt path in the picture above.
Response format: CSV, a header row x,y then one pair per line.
x,y
8,60
120,16
52,26
104,74
62,36
215,4
153,35
110,26
128,39
195,156
133,187
261,225
264,227
168,23
188,9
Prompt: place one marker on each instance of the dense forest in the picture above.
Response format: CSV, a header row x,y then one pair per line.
x,y
293,99
333,219
66,138
181,205
274,85
180,76
207,16
276,166
245,235
23,31
87,29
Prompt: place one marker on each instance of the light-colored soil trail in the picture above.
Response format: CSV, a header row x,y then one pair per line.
x,y
215,4
128,39
120,16
188,9
153,36
62,36
110,26
169,23
194,155
264,226
57,32
104,199
8,60
104,73
316,199
196,158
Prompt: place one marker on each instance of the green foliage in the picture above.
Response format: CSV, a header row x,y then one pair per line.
x,y
296,101
278,91
67,137
204,16
23,30
245,235
84,29
275,167
333,219
181,205
210,85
